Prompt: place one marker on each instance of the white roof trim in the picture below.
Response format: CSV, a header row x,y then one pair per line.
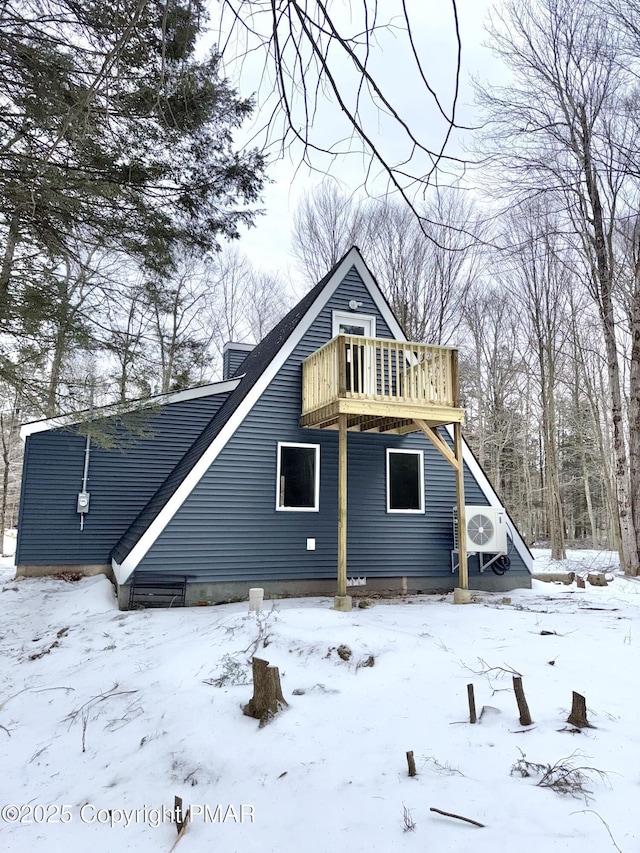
x,y
163,399
233,345
490,494
352,259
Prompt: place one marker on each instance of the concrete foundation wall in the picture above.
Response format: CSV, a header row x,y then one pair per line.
x,y
89,570
224,592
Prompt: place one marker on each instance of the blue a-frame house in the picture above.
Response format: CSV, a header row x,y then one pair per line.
x,y
236,485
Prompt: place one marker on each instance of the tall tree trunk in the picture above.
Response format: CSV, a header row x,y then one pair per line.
x,y
593,526
553,502
8,428
628,544
629,555
578,420
528,514
596,399
7,263
59,350
634,412
6,445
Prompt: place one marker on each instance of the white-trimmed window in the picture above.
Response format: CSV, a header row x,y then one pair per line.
x,y
298,477
405,481
349,323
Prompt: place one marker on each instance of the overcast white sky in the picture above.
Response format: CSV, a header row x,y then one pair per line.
x,y
268,244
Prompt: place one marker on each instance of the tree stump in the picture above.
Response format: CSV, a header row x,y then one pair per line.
x,y
411,763
578,715
521,699
267,697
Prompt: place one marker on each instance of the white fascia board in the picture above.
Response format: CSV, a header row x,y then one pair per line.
x,y
200,391
42,426
238,346
117,571
490,494
123,570
160,399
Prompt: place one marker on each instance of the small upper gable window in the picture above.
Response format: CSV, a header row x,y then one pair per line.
x,y
298,481
350,323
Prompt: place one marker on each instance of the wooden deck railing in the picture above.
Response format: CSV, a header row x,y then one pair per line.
x,y
359,368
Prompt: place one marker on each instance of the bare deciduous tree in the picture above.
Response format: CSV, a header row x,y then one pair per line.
x,y
326,65
424,268
535,274
266,301
493,384
564,146
325,226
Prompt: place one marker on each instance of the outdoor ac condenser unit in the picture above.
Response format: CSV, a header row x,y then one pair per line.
x,y
486,530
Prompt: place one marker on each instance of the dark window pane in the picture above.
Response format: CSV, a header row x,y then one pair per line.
x,y
297,476
404,481
351,330
354,354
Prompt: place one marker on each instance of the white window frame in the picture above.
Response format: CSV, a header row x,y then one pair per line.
x,y
316,494
351,318
420,455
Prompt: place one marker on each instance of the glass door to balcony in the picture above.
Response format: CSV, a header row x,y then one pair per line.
x,y
359,358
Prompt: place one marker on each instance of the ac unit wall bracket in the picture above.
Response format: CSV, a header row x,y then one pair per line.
x,y
484,564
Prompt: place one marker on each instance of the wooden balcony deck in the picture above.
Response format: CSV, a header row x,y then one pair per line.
x,y
381,385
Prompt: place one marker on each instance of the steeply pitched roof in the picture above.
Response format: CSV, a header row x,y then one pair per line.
x,y
252,368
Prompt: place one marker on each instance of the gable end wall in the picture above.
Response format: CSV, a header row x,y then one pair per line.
x,y
121,481
228,528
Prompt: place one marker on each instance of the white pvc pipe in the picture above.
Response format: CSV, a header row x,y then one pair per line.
x,y
256,597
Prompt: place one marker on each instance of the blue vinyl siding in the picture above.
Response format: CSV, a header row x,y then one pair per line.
x,y
232,360
228,528
121,481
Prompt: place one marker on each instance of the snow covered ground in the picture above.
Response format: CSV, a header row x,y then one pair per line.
x,y
105,716
581,562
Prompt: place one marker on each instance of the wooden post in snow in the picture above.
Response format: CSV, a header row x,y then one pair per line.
x,y
472,704
521,699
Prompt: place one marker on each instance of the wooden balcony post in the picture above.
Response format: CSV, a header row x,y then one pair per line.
x,y
342,366
463,572
453,393
342,600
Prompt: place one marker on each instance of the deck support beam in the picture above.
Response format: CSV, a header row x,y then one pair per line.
x,y
440,445
454,459
342,600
